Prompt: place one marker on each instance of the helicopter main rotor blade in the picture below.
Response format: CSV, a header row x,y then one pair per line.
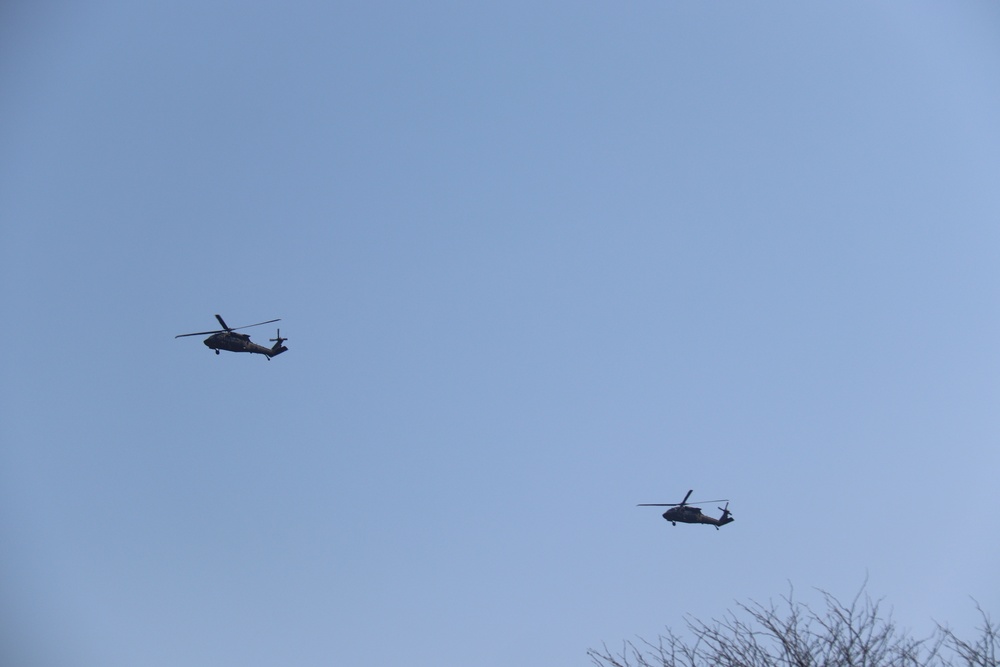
x,y
684,502
201,333
697,502
225,328
247,326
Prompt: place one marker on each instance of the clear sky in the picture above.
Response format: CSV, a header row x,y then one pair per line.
x,y
536,263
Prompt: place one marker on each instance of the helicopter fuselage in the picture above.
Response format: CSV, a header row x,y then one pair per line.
x,y
688,514
238,342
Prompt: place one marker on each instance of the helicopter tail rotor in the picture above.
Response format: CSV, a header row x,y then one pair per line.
x,y
279,340
278,347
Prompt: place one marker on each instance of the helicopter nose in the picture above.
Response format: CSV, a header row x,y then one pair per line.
x,y
206,343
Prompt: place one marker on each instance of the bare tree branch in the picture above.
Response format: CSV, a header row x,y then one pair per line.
x,y
791,634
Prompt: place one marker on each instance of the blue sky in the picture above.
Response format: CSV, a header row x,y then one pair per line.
x,y
536,264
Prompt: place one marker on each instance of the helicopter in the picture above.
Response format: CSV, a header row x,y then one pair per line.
x,y
687,514
227,339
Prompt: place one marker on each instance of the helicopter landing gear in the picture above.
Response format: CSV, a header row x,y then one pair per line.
x,y
673,523
216,351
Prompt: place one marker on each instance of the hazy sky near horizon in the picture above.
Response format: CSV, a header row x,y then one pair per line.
x,y
536,264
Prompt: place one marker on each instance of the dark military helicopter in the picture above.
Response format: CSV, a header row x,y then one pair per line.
x,y
686,514
226,338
